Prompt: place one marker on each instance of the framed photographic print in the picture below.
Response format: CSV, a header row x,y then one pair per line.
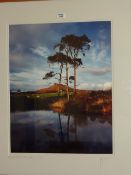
x,y
65,87
61,87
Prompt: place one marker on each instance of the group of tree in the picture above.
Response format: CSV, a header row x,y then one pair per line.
x,y
68,51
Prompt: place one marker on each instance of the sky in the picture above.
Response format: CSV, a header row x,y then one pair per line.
x,y
31,44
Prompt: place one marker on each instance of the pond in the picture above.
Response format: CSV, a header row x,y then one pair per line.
x,y
51,132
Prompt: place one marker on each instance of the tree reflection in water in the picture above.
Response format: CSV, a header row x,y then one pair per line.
x,y
54,132
68,129
61,130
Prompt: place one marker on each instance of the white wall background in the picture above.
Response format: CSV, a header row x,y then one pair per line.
x,y
119,12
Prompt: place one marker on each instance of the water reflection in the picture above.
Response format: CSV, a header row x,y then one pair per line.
x,y
48,131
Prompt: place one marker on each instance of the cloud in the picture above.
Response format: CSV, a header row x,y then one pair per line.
x,y
107,86
30,80
19,62
101,48
31,44
25,61
101,55
96,71
27,80
33,35
86,86
102,34
41,51
95,86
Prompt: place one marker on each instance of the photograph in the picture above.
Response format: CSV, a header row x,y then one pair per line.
x,y
60,77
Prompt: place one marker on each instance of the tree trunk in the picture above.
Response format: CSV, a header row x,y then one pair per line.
x,y
68,129
75,129
74,78
67,89
61,131
60,78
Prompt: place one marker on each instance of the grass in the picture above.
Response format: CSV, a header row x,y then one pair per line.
x,y
45,95
82,102
33,101
37,95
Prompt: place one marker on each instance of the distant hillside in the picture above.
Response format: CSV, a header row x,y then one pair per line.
x,y
56,87
52,89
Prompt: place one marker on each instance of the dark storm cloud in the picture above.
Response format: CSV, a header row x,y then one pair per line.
x,y
32,35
